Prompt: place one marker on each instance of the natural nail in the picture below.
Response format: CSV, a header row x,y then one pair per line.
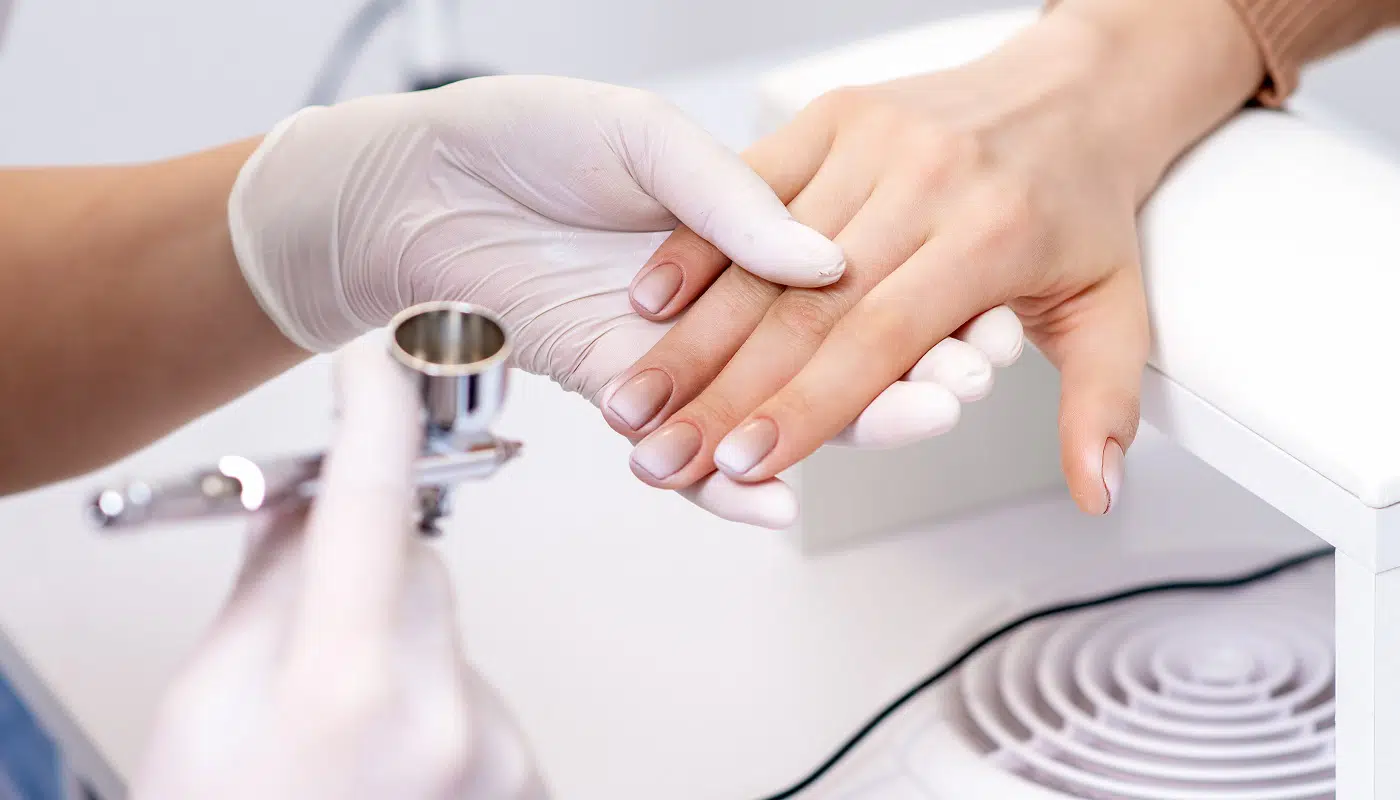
x,y
745,446
638,400
666,451
1112,473
656,288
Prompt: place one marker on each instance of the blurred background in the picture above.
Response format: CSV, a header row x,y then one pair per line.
x,y
95,80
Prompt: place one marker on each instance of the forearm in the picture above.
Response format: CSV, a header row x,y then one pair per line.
x,y
122,309
1147,78
1166,73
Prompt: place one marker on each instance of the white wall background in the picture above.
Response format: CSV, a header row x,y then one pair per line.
x,y
84,80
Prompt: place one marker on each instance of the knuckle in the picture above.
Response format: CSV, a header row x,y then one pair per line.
x,y
808,314
863,112
840,101
1016,201
740,293
935,154
1013,220
880,118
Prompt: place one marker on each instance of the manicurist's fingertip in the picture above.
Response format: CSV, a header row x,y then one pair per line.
x,y
770,504
795,255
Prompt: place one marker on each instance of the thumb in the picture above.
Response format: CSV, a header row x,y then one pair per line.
x,y
357,537
1101,351
710,189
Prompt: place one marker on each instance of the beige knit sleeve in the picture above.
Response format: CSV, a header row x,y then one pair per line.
x,y
1291,33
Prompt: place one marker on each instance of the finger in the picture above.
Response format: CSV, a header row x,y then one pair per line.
x,y
686,264
904,413
682,268
957,366
768,504
710,189
901,415
700,345
680,452
428,636
998,334
251,625
359,529
877,342
1101,352
273,536
689,356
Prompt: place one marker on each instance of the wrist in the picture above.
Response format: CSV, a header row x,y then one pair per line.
x,y
1157,76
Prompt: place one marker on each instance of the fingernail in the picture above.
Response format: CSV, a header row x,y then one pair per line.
x,y
657,287
1112,473
637,401
663,453
745,446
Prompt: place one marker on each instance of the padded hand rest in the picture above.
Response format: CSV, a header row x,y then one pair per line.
x,y
1272,258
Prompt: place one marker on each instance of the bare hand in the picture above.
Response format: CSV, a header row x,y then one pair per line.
x,y
1014,180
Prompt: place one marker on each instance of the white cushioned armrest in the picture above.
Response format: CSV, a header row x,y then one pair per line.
x,y
1272,256
1273,269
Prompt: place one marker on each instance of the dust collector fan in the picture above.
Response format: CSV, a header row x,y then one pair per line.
x,y
1172,697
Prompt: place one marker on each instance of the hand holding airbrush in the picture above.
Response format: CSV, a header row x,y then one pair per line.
x,y
458,354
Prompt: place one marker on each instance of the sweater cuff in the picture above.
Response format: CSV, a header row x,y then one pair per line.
x,y
1292,33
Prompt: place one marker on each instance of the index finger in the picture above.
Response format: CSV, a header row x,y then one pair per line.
x,y
360,526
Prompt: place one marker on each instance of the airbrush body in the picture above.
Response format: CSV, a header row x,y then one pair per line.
x,y
458,354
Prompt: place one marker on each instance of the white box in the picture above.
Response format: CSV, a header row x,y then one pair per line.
x,y
1005,446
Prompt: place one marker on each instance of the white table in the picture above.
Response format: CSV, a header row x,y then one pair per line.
x,y
649,650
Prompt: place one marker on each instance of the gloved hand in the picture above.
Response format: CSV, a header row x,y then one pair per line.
x,y
335,671
538,198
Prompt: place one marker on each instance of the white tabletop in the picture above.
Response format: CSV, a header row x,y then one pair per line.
x,y
648,649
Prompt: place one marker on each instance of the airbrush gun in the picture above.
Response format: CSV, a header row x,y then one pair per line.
x,y
457,353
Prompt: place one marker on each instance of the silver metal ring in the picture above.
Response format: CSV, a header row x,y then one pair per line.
x,y
459,353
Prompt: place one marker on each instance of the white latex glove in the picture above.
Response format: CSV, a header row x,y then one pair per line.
x,y
335,671
538,198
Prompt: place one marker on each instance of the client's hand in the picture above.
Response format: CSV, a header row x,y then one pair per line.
x,y
1014,180
335,671
538,198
